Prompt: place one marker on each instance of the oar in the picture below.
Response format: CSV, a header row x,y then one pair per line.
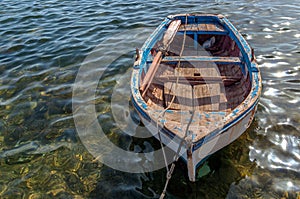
x,y
168,38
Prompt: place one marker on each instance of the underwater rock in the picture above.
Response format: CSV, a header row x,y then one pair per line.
x,y
34,148
13,192
19,149
13,136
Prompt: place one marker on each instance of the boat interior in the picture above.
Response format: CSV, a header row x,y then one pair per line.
x,y
207,75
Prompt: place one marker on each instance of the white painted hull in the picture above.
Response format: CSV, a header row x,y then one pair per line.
x,y
221,140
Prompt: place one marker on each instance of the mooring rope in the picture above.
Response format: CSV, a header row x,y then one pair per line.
x,y
172,100
176,157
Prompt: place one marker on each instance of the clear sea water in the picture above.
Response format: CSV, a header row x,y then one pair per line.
x,y
44,43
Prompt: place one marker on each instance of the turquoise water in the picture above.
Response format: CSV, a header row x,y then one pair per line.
x,y
44,43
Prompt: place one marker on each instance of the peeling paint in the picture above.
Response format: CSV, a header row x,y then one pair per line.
x,y
236,119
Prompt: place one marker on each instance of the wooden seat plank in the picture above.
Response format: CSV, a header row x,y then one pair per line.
x,y
232,60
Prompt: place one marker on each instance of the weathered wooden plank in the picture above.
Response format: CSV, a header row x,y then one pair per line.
x,y
196,76
209,96
232,60
151,72
183,93
171,32
167,39
201,27
189,32
197,79
198,71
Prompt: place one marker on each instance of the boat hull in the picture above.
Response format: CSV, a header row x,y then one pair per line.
x,y
241,105
223,138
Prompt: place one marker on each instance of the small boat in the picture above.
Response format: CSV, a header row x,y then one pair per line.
x,y
197,83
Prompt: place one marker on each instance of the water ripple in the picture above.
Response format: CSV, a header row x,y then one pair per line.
x,y
42,46
279,149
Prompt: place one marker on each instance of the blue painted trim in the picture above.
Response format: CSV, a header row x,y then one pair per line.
x,y
254,67
202,161
138,108
242,44
256,88
150,42
210,136
194,19
196,41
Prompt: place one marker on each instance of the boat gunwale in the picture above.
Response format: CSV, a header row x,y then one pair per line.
x,y
236,114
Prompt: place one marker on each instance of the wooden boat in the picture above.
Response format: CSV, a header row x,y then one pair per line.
x,y
197,80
